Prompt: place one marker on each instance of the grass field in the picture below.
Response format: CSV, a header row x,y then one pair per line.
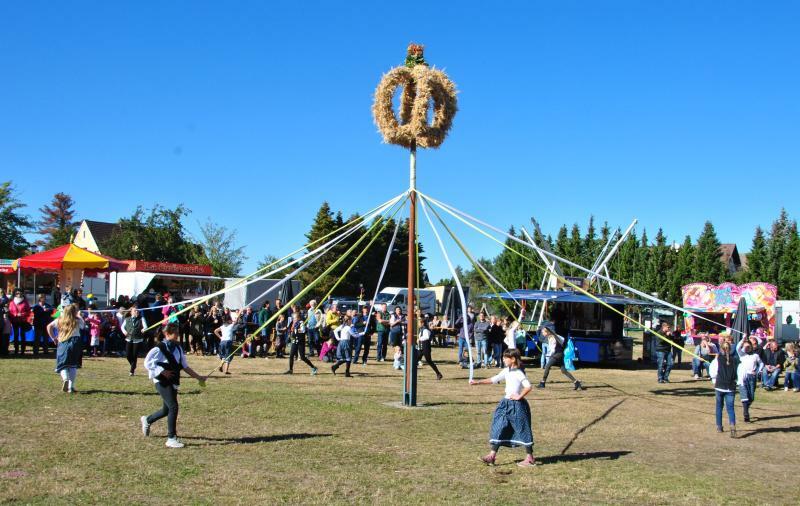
x,y
258,436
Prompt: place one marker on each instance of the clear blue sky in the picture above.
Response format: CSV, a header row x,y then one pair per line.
x,y
252,113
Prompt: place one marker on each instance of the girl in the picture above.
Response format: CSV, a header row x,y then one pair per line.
x,y
555,349
196,320
723,374
511,424
280,336
791,369
297,335
94,333
225,334
132,329
749,366
164,364
425,344
396,324
343,333
69,354
328,351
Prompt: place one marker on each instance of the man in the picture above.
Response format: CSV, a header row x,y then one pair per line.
x,y
263,317
481,333
364,328
773,358
382,328
42,316
465,334
664,360
313,326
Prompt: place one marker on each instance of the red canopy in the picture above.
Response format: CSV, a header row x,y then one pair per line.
x,y
69,256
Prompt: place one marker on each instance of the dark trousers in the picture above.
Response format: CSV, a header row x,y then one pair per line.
x,y
497,354
132,353
425,348
367,345
170,408
314,347
556,359
3,343
40,337
19,337
380,347
299,348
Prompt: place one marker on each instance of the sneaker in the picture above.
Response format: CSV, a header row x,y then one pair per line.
x,y
578,385
288,372
661,381
130,373
65,386
666,380
73,391
145,426
540,385
528,462
733,432
333,370
719,429
785,389
314,371
696,377
174,443
439,376
348,375
488,459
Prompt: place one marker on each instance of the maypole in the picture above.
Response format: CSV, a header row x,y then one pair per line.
x,y
422,86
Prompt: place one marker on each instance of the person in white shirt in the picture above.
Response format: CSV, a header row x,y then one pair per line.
x,y
511,424
749,367
425,344
225,333
343,334
164,364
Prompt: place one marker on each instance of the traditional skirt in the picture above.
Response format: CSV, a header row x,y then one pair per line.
x,y
511,424
69,353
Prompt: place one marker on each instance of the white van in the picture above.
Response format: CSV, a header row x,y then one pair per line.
x,y
396,297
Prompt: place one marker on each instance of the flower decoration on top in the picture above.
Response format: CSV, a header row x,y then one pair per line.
x,y
422,87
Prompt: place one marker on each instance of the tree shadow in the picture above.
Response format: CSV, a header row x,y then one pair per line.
x,y
212,441
129,392
769,430
685,392
460,403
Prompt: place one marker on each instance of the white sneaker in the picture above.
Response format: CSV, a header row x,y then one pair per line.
x,y
696,377
145,426
785,389
174,443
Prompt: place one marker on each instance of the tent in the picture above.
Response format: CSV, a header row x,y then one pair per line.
x,y
566,296
68,257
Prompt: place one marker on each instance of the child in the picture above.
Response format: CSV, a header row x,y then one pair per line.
x,y
343,333
132,329
94,332
425,345
511,424
225,334
328,352
297,336
723,373
164,364
280,336
749,366
69,353
791,369
555,349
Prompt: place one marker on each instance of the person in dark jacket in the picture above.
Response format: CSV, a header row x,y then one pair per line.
x,y
42,316
664,359
772,357
723,373
556,346
133,330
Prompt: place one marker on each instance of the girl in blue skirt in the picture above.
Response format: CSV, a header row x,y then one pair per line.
x,y
511,424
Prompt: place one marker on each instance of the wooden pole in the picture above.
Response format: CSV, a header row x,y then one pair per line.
x,y
410,356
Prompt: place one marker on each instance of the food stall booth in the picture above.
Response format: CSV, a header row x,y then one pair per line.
x,y
718,304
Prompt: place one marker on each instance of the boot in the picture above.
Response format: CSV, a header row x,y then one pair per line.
x,y
733,431
347,370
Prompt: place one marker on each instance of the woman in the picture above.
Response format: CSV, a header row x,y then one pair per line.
x,y
19,311
69,354
164,364
132,328
396,324
555,345
196,325
425,344
723,374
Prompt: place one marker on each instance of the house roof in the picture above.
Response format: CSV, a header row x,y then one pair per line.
x,y
101,231
728,251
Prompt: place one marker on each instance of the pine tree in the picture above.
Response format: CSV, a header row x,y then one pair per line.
x,y
590,246
681,274
757,258
58,222
708,267
512,270
561,247
324,223
789,280
13,224
658,266
623,265
778,238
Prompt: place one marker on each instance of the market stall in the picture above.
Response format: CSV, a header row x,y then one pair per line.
x,y
717,305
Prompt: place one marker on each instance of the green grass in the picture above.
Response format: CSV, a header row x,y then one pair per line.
x,y
259,436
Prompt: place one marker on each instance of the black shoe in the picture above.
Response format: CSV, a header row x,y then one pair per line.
x,y
439,376
333,370
348,375
719,429
747,419
666,380
578,385
288,372
540,385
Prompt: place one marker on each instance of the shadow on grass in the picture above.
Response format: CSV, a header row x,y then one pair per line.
x,y
776,417
460,403
593,422
769,430
685,392
130,392
213,441
577,457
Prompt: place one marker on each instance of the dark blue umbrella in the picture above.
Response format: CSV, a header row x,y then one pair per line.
x,y
741,324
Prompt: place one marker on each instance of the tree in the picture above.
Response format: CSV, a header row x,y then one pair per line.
x,y
789,279
323,225
13,224
623,265
708,267
590,246
219,250
658,266
642,258
681,273
158,236
58,222
757,258
778,238
511,269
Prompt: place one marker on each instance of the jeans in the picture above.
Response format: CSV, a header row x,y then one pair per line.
x,y
727,397
367,345
769,379
497,351
747,391
169,395
698,366
425,349
357,348
463,345
383,335
792,380
482,349
19,337
313,340
664,364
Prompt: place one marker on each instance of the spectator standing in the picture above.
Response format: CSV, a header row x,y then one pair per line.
x,y
42,317
132,329
382,329
19,312
664,359
481,332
